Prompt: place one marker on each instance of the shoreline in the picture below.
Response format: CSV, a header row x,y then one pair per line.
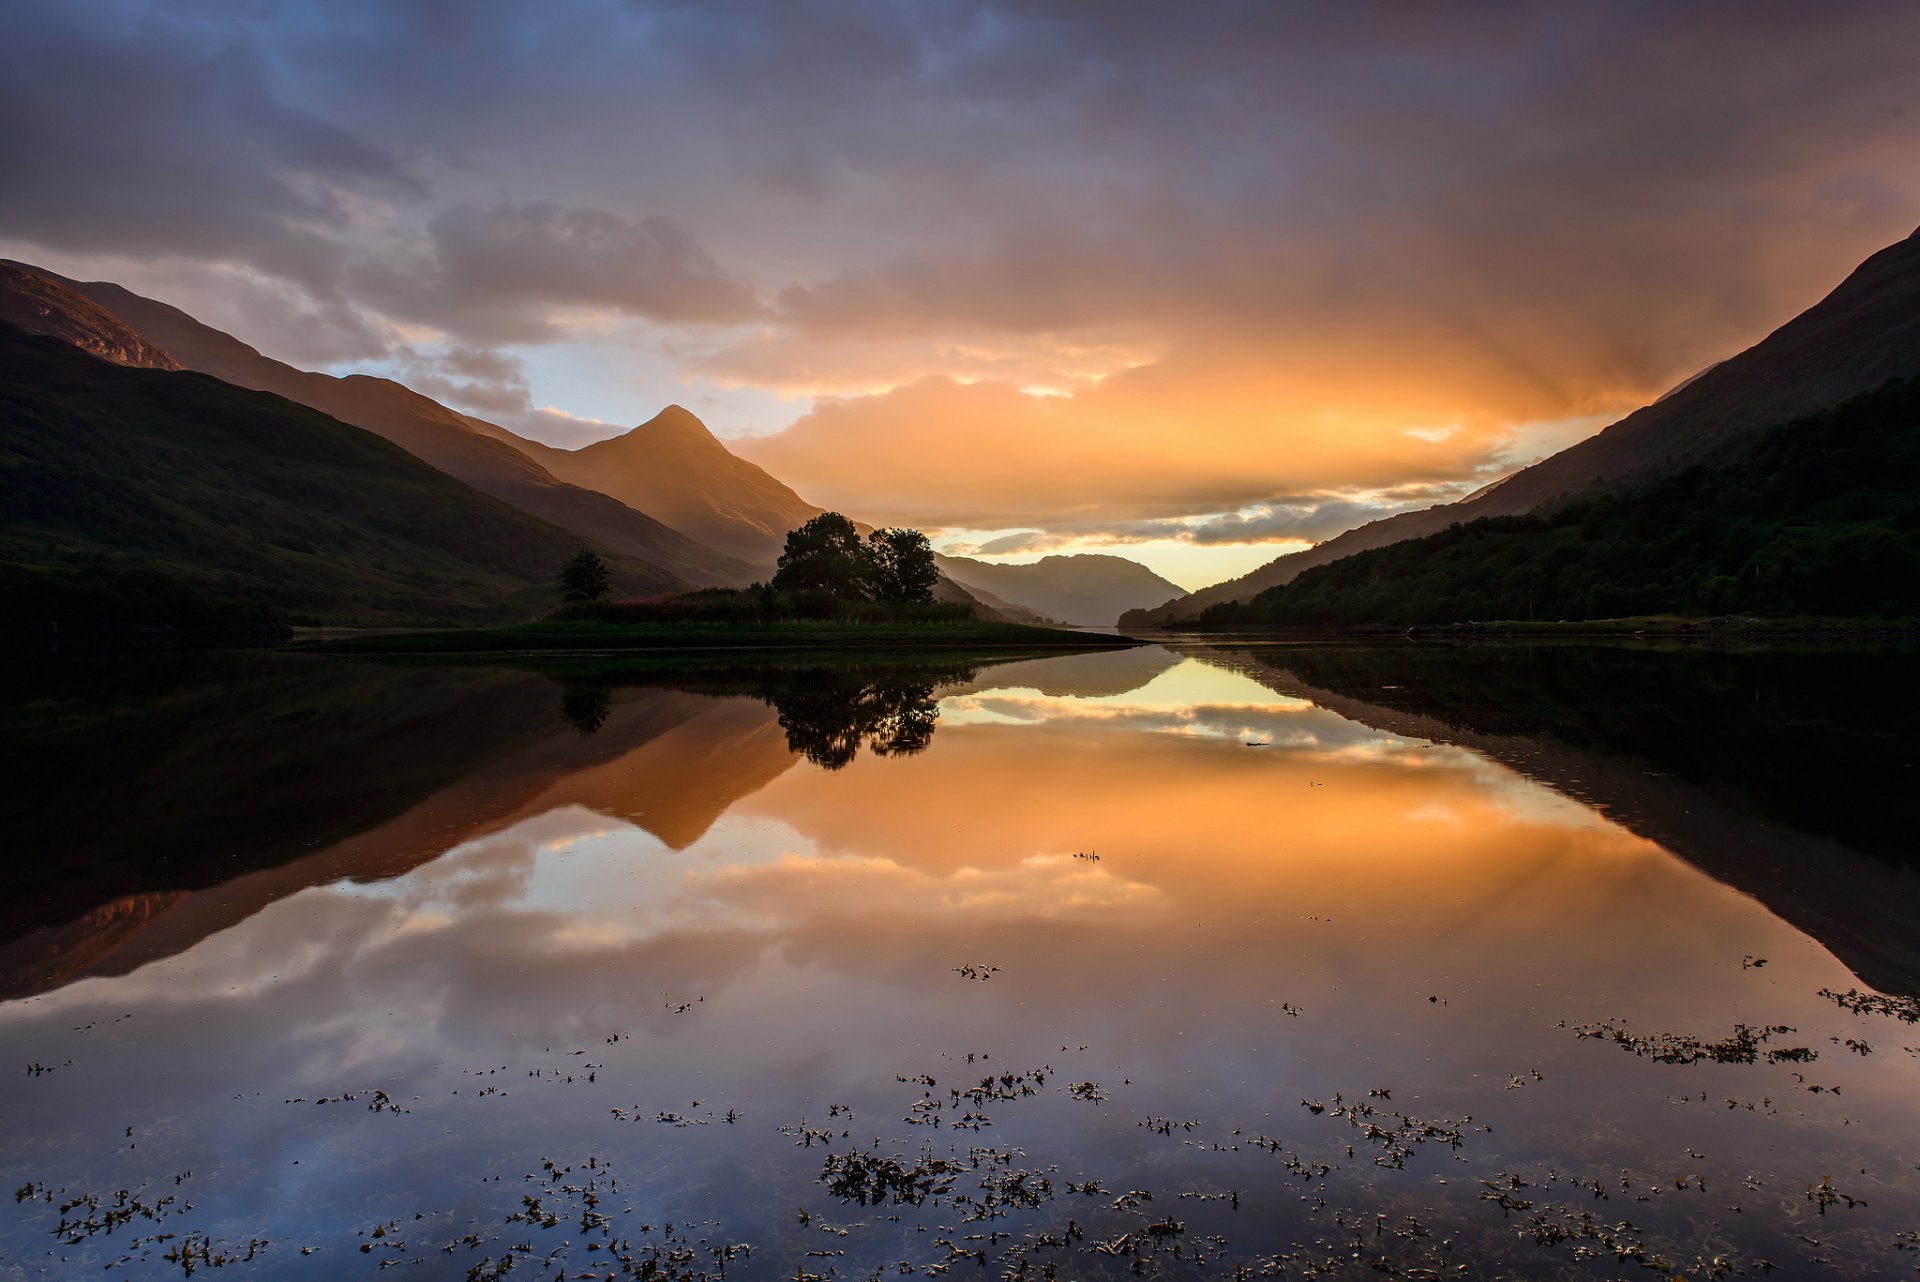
x,y
614,638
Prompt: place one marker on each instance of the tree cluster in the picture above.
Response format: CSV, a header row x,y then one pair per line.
x,y
827,554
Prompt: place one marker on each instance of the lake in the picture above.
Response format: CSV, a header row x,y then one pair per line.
x,y
1200,960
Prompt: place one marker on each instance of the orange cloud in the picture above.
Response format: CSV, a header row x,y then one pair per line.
x,y
1192,433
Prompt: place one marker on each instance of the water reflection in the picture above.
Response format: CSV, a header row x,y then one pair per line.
x,y
585,705
1126,926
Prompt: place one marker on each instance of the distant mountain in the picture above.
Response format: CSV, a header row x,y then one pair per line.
x,y
1089,589
133,496
672,467
42,305
1864,333
422,427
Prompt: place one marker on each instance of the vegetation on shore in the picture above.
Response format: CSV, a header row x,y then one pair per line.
x,y
832,590
1820,518
597,635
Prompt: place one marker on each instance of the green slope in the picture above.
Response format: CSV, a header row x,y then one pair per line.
x,y
1820,518
135,496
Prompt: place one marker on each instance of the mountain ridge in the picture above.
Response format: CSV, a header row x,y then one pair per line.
x,y
1088,589
1863,332
134,497
418,424
674,467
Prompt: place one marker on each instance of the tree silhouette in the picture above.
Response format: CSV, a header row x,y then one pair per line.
x,y
824,554
900,566
585,577
586,705
828,715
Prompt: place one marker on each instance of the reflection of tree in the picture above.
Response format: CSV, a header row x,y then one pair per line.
x,y
585,705
828,714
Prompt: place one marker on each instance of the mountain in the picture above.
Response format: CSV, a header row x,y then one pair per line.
x,y
986,604
422,427
1088,589
1820,517
39,304
673,467
133,496
1864,333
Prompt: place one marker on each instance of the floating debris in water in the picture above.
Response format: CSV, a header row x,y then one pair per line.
x,y
1906,1009
1742,1046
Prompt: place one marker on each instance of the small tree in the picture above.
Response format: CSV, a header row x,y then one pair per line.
x,y
585,577
900,566
825,553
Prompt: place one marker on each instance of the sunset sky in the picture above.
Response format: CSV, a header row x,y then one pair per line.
x,y
1195,284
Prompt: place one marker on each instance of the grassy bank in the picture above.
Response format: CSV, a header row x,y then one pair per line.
x,y
588,635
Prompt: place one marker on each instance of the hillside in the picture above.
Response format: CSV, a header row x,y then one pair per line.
x,y
1819,517
674,468
419,425
132,496
1089,589
1862,334
41,305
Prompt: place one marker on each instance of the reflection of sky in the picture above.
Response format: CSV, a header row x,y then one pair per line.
x,y
1430,917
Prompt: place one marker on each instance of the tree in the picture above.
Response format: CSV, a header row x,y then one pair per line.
x,y
585,577
825,553
900,566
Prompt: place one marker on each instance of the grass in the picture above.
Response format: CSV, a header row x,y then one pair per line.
x,y
594,636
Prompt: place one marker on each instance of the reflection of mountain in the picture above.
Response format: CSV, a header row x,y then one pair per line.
x,y
240,783
161,775
666,760
1772,772
676,783
1089,676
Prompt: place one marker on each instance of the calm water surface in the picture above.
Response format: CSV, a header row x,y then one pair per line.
x,y
1148,963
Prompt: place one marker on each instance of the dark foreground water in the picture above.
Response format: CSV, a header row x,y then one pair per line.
x,y
1211,963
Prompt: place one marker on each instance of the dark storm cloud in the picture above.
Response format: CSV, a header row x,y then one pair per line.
x,y
491,272
1285,234
127,132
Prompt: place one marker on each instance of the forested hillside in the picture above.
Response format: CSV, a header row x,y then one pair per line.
x,y
1820,517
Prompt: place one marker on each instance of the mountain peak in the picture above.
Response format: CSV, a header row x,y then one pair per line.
x,y
676,420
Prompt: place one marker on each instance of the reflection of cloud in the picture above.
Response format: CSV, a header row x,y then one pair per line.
x,y
796,888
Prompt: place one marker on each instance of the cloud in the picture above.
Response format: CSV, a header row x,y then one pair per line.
x,y
140,135
480,381
1180,437
1020,541
1248,250
1296,521
503,271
